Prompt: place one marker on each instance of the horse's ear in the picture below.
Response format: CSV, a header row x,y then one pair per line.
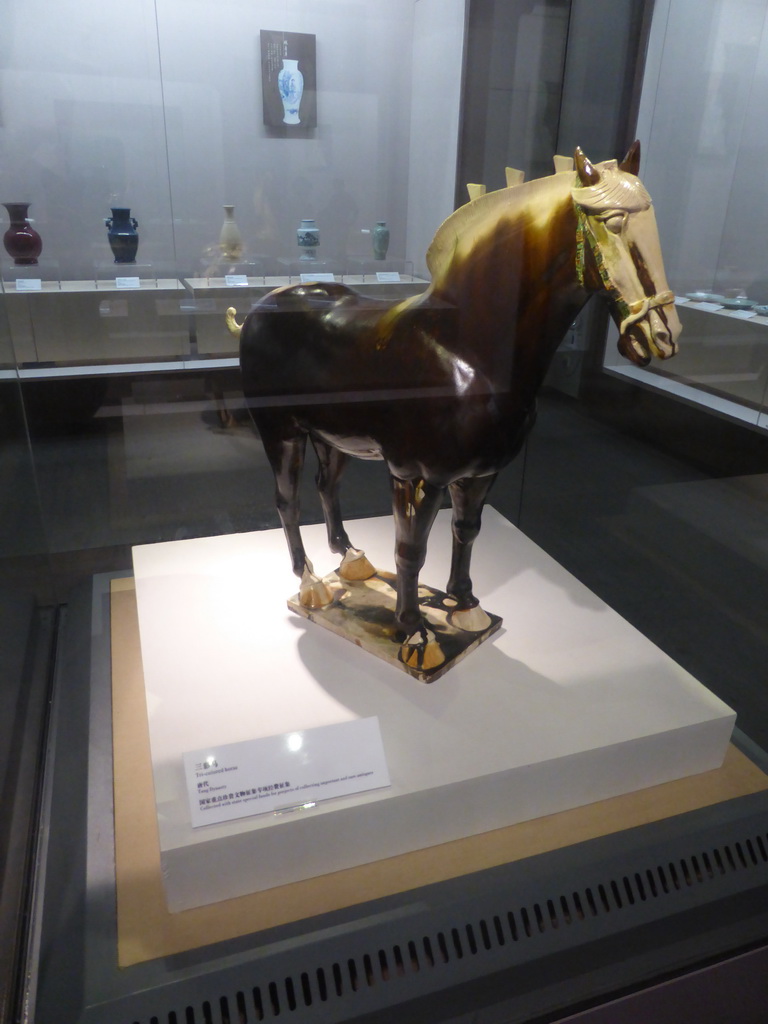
x,y
588,174
631,162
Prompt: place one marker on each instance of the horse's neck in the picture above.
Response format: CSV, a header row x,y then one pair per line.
x,y
512,273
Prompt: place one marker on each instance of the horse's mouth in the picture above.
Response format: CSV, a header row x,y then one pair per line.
x,y
634,347
639,346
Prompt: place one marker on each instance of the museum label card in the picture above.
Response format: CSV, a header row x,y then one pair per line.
x,y
236,280
708,307
742,314
388,276
310,278
127,282
29,284
289,772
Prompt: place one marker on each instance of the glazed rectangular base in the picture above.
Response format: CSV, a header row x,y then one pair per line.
x,y
363,612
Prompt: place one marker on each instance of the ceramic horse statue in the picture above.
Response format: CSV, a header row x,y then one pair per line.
x,y
442,386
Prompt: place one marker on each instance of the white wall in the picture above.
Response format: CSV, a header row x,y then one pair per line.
x,y
435,100
157,106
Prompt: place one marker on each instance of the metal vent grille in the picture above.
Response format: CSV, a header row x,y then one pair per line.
x,y
501,933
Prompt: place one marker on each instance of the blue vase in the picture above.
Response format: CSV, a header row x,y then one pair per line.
x,y
308,239
122,234
380,239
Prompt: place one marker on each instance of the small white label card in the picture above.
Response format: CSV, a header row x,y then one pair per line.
x,y
127,282
29,284
742,314
388,276
291,771
310,278
708,307
236,280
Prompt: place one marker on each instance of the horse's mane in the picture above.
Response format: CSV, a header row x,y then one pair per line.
x,y
459,232
537,199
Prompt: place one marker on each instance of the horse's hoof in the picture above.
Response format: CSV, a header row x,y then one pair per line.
x,y
313,593
421,651
355,566
471,620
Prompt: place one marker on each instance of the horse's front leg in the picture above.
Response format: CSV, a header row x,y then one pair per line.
x,y
415,504
331,463
286,457
468,497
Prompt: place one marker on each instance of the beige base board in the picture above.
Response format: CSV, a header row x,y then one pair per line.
x,y
147,930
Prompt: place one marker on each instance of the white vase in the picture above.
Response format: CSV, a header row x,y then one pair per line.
x,y
230,239
290,82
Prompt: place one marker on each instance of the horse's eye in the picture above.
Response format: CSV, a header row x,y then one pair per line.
x,y
615,222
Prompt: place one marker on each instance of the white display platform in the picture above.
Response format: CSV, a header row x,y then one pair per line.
x,y
567,704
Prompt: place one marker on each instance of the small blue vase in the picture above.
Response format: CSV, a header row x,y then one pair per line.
x,y
308,239
122,234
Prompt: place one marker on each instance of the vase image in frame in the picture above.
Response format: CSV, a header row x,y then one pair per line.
x,y
21,241
230,239
286,55
122,234
308,239
290,82
380,240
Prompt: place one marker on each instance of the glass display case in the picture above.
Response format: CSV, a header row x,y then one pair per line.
x,y
564,818
702,165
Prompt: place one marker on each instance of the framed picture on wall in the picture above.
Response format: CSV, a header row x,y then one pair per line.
x,y
289,81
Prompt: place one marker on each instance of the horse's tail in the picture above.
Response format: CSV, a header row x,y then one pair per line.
x,y
232,325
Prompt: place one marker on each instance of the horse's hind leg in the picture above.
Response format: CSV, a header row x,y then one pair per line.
x,y
331,463
468,497
286,457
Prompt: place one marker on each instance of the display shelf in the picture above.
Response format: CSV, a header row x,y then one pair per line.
x,y
211,297
212,285
294,267
148,929
367,268
722,364
45,275
89,322
489,744
139,274
87,328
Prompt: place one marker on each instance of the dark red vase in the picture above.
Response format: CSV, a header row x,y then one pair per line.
x,y
21,240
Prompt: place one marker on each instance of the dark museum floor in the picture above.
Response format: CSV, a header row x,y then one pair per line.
x,y
678,550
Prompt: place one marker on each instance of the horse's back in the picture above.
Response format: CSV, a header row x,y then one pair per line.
x,y
303,297
321,338
317,300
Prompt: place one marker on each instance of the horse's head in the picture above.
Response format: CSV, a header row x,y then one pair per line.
x,y
618,251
